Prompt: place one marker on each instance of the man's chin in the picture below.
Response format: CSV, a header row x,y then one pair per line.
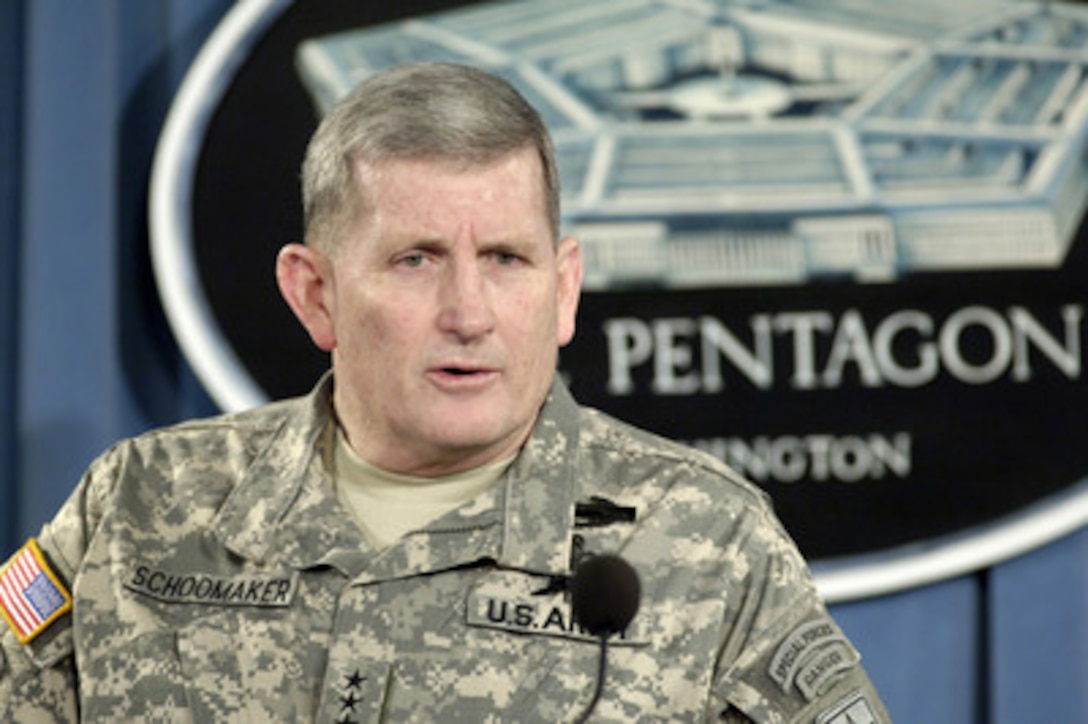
x,y
474,437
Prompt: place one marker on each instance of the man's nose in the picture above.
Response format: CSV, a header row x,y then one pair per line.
x,y
466,309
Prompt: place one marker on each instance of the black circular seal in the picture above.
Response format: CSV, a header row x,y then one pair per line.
x,y
854,273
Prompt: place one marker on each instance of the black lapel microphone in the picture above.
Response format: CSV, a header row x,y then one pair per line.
x,y
604,596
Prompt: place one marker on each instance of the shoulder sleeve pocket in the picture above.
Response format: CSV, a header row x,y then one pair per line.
x,y
37,679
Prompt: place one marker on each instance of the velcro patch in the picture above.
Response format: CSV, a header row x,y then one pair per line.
x,y
824,667
263,590
812,657
514,601
854,709
31,594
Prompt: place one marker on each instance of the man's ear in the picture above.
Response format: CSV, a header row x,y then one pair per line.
x,y
569,265
304,276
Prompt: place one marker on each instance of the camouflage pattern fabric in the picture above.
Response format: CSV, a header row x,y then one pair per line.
x,y
216,577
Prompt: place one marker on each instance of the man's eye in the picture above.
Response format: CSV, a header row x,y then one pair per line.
x,y
412,260
506,258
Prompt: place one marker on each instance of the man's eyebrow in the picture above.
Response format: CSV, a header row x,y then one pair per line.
x,y
513,242
424,244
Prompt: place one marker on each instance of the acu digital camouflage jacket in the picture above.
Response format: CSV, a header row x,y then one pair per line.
x,y
215,577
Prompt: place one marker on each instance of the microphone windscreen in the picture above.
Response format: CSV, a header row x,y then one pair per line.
x,y
604,594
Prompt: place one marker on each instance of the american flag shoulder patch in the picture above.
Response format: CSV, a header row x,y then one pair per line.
x,y
31,594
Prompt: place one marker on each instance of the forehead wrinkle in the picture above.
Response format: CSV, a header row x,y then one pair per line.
x,y
400,213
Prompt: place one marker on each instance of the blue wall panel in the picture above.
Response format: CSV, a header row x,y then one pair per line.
x,y
925,640
69,388
1039,635
11,99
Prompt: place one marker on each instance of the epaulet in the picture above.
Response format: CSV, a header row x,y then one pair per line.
x,y
32,596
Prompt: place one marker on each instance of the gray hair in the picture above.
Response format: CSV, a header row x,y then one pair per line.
x,y
439,111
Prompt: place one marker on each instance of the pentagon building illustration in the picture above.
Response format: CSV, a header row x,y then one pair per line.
x,y
709,143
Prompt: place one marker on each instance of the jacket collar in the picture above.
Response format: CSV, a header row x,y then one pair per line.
x,y
284,504
285,507
541,487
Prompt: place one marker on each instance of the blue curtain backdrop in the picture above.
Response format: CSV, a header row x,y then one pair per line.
x,y
86,357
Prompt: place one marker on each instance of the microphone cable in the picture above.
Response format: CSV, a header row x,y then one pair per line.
x,y
605,594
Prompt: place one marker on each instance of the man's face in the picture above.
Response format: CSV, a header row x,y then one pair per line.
x,y
448,303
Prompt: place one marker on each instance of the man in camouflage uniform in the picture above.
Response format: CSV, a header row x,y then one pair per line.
x,y
262,567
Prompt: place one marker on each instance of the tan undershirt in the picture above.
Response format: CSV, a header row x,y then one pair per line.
x,y
387,505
